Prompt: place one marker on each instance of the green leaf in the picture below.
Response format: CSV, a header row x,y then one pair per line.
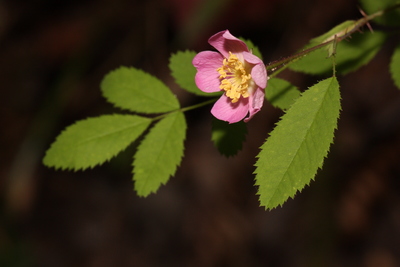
x,y
395,66
281,93
254,49
391,18
93,141
351,54
296,148
183,72
339,30
159,154
138,91
228,138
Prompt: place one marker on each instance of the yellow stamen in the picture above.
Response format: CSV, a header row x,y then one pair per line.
x,y
234,78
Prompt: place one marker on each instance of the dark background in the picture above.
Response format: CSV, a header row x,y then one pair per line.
x,y
53,55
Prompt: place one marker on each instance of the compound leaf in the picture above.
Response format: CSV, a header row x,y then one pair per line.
x,y
159,154
228,138
395,66
281,93
93,141
296,148
138,91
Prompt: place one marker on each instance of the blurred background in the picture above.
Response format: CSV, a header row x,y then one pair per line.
x,y
53,56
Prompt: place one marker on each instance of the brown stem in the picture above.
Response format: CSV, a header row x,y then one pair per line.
x,y
277,66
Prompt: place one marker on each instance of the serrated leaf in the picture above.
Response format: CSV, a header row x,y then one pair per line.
x,y
228,138
395,66
281,93
253,48
391,18
296,148
351,54
93,141
159,154
138,91
183,72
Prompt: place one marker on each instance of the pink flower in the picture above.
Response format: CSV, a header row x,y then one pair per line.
x,y
237,72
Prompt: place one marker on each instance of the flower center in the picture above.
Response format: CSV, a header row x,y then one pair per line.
x,y
234,78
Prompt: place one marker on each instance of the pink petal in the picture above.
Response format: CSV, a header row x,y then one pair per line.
x,y
258,72
224,110
259,75
252,59
225,42
255,103
207,76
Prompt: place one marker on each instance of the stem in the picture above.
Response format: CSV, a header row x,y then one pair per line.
x,y
186,109
333,56
276,67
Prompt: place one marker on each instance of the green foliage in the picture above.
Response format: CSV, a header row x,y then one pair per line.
x,y
228,138
183,72
351,54
281,93
296,148
93,141
389,19
395,66
159,154
254,49
138,91
290,157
